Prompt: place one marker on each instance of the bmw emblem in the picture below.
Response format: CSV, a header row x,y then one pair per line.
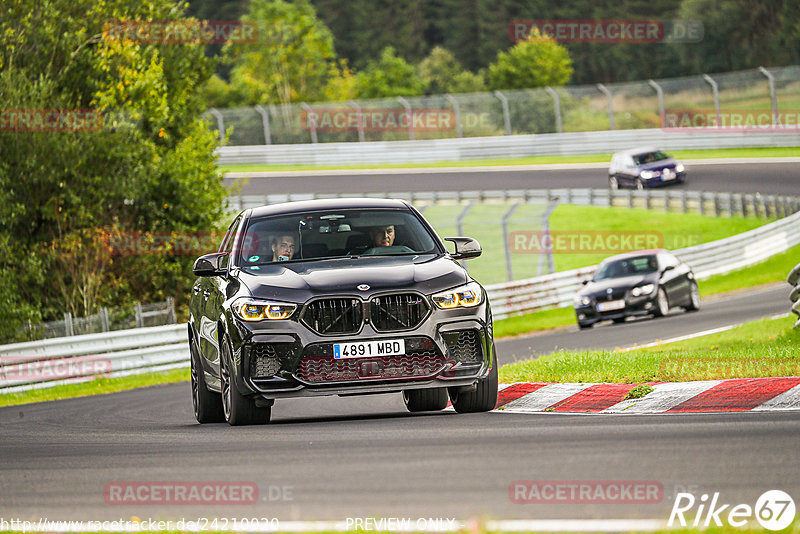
x,y
609,290
362,287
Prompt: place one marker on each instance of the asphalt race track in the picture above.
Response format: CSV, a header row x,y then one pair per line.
x,y
334,458
765,178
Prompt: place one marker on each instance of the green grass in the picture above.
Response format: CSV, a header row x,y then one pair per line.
x,y
762,348
95,387
530,160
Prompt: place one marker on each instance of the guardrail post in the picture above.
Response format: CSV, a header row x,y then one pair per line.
x,y
68,324
666,201
716,204
220,122
457,109
506,115
506,216
410,113
630,198
104,322
772,96
603,89
731,205
265,123
460,225
756,207
360,126
701,203
715,91
684,208
556,106
660,93
312,121
647,199
171,310
137,309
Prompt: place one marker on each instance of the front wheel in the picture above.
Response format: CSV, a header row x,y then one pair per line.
x,y
206,403
238,409
694,298
662,303
482,399
425,400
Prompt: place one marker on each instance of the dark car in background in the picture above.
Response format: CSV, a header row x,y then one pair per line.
x,y
646,282
644,167
337,297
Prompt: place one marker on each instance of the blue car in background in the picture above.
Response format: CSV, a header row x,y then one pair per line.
x,y
644,167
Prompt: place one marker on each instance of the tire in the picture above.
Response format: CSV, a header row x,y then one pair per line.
x,y
662,304
638,184
425,400
238,409
613,183
207,404
585,326
694,298
482,399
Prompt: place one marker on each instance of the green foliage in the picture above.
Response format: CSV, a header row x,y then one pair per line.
x,y
389,76
441,73
536,62
146,166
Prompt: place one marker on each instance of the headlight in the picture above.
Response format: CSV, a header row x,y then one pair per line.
x,y
259,310
642,290
647,174
582,300
466,296
679,167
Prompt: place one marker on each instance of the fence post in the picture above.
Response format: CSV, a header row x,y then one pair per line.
x,y
457,109
506,216
410,113
68,324
548,255
460,225
715,91
556,106
171,310
772,96
360,126
603,89
265,123
138,312
312,121
506,115
104,322
660,93
220,122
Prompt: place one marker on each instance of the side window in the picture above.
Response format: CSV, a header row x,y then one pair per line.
x,y
628,162
227,241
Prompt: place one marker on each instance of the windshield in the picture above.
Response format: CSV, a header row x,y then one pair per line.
x,y
649,157
333,234
627,267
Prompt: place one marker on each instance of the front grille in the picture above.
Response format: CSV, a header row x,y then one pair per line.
x,y
334,316
266,359
404,311
320,369
464,345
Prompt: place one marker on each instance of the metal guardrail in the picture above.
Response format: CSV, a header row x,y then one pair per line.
x,y
506,146
708,259
682,201
794,296
71,359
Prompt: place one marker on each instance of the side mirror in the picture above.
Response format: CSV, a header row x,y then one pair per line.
x,y
668,268
210,264
584,282
466,247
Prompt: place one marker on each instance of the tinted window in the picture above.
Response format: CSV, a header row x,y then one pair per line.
x,y
649,157
334,234
627,267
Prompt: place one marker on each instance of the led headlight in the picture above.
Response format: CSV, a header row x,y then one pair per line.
x,y
259,310
466,296
642,290
582,300
679,167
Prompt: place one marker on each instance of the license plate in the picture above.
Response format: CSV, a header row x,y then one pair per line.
x,y
667,175
366,349
611,305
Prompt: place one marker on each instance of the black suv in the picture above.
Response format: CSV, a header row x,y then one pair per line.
x,y
337,297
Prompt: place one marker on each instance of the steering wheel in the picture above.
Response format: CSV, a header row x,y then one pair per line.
x,y
379,251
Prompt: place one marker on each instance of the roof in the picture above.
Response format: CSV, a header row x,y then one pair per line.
x,y
639,150
287,208
636,253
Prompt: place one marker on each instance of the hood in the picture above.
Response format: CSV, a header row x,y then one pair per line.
x,y
668,163
625,282
297,282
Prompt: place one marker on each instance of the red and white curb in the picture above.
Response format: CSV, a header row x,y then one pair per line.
x,y
708,396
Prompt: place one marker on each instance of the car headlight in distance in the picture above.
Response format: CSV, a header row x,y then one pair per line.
x,y
679,167
642,290
582,300
466,296
258,310
647,174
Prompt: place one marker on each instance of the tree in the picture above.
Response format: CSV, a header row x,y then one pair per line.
x,y
536,62
441,72
389,76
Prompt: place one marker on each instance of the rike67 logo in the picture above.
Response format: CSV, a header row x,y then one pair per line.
x,y
774,510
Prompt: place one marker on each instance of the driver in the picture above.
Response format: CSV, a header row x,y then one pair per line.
x,y
283,247
382,236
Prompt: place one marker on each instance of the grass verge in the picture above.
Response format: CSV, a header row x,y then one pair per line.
x,y
530,160
774,269
768,347
95,387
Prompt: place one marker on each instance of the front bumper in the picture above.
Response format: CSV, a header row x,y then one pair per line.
x,y
659,181
282,359
634,306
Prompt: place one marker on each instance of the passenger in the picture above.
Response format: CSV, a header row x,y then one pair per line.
x,y
283,247
382,236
